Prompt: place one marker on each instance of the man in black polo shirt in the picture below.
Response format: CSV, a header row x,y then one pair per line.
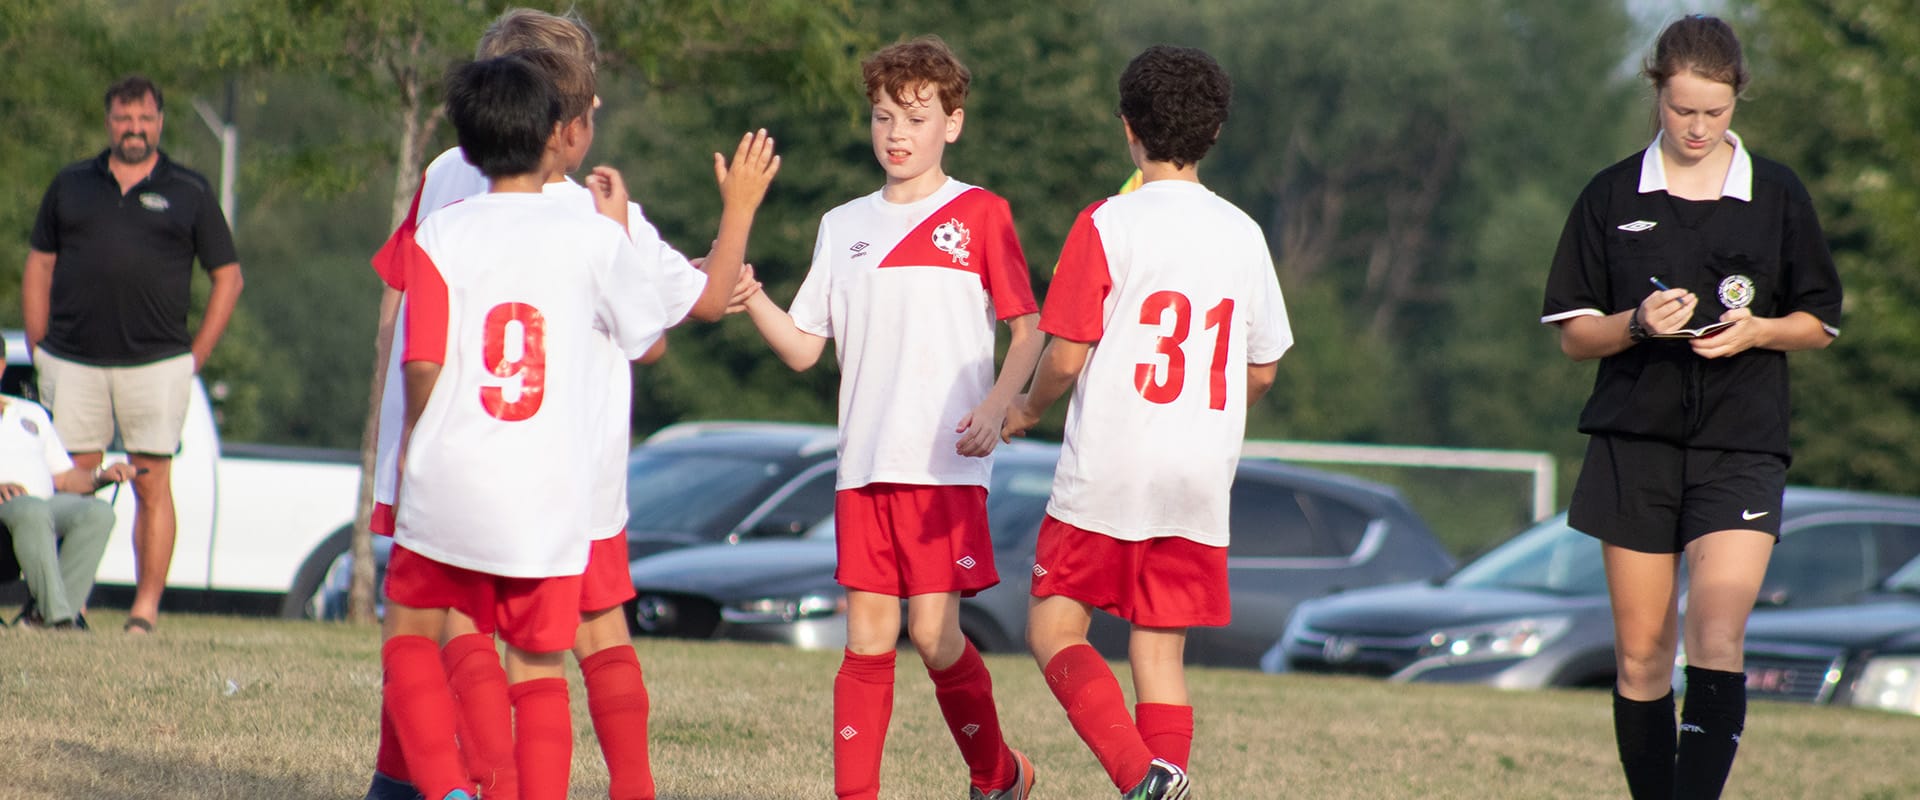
x,y
109,326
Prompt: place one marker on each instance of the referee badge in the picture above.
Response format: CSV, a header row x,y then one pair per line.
x,y
154,201
1736,291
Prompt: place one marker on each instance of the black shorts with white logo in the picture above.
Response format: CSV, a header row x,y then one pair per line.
x,y
1657,497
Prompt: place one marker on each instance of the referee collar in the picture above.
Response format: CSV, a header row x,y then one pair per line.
x,y
1739,183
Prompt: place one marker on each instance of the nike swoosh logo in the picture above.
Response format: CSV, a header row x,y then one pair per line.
x,y
1750,516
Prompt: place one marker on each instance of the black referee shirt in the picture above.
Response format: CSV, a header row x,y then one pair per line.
x,y
123,274
1765,253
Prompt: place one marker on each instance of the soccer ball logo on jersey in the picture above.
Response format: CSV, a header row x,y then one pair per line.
x,y
1736,291
952,238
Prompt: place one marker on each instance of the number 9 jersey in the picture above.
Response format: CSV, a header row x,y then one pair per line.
x,y
512,294
1175,288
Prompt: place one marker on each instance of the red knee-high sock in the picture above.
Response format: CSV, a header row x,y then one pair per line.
x,y
617,701
543,737
486,716
387,760
417,698
862,707
1167,730
965,692
1086,688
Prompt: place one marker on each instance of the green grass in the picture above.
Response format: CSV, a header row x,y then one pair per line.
x,y
218,707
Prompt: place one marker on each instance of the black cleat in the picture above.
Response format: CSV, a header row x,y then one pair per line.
x,y
1164,781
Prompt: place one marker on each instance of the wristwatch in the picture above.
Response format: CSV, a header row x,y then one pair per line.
x,y
1635,331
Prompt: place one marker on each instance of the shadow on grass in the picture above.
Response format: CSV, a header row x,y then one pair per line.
x,y
94,771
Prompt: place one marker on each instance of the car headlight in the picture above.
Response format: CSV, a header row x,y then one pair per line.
x,y
1519,638
812,605
1891,683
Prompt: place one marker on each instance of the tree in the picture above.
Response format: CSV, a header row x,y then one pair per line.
x,y
1836,96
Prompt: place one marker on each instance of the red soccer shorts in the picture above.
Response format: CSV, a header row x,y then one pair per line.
x,y
538,615
606,583
1165,582
907,539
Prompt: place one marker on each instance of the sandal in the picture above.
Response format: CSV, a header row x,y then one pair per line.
x,y
137,625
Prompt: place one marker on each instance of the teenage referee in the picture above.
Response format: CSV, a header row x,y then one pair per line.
x,y
1688,450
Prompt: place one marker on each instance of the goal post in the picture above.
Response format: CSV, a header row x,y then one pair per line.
x,y
1539,465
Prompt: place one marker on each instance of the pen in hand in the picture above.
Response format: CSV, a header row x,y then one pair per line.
x,y
1658,285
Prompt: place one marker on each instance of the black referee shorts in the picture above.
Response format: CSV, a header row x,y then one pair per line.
x,y
1657,497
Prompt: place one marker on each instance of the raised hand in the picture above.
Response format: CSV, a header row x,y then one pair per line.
x,y
744,181
609,193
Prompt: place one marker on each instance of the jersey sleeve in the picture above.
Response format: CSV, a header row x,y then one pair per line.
x,y
46,223
1812,283
673,277
212,237
390,262
1577,283
1076,300
1008,281
425,312
811,310
52,451
626,304
1269,332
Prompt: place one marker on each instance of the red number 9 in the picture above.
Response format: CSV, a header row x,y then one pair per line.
x,y
530,366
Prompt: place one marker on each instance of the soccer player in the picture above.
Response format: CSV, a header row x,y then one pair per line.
x,y
1687,451
616,692
1167,323
908,282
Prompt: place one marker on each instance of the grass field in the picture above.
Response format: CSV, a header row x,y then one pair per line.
x,y
219,707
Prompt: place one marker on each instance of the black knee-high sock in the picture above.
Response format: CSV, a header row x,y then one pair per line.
x,y
1710,725
1644,732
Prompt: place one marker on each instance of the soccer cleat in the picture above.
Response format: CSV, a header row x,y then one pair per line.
x,y
1022,782
1164,781
458,794
385,788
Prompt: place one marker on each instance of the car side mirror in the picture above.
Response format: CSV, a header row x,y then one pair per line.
x,y
1772,597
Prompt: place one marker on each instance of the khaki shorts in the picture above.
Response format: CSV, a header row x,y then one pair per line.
x,y
149,402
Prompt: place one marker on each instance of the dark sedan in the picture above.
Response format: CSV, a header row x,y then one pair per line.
x,y
1866,654
1533,612
1297,533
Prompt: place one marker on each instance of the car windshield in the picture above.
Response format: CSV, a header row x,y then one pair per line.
x,y
1907,579
1549,557
695,492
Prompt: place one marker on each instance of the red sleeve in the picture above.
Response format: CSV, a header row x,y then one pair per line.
x,y
426,307
1076,299
1008,281
390,262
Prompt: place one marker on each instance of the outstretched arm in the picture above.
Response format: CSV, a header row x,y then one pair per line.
x,y
1060,366
981,429
798,349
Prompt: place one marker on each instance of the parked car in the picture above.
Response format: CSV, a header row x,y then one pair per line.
x,y
1533,612
1296,533
1865,654
692,483
257,524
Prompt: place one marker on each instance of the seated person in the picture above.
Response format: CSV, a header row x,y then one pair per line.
x,y
59,529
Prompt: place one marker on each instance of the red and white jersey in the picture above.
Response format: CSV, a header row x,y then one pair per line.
x,y
511,294
1175,287
450,179
909,292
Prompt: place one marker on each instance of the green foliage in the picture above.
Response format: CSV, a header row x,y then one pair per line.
x,y
1836,96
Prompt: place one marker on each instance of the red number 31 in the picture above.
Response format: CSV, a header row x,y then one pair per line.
x,y
530,367
1163,385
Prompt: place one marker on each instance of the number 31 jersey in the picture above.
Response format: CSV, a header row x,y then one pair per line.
x,y
1174,287
510,293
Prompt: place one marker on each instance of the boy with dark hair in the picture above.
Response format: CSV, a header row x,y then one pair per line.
x,y
908,281
617,697
1176,288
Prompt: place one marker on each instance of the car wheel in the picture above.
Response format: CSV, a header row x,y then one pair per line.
x,y
307,598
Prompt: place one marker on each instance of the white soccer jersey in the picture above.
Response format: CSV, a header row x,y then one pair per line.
x,y
30,450
510,293
909,293
1175,287
450,178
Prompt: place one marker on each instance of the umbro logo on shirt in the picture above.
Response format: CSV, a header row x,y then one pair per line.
x,y
858,249
1638,225
966,562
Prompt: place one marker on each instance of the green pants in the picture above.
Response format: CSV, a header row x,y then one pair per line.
x,y
58,541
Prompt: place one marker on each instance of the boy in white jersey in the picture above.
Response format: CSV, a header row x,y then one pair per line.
x,y
508,294
616,693
908,282
1167,321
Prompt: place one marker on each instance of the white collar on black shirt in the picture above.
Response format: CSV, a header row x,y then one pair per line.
x,y
1739,183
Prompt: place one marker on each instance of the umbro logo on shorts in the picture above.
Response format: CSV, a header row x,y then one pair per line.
x,y
848,732
970,729
966,562
1039,571
1638,225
